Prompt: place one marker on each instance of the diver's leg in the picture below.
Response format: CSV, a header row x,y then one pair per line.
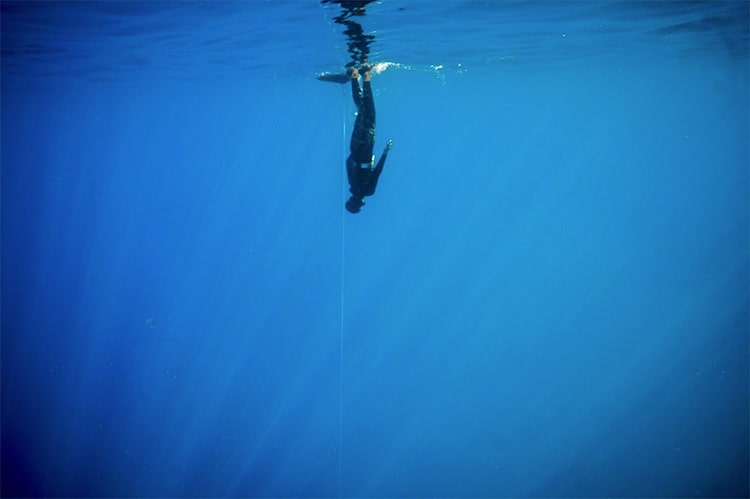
x,y
359,138
363,135
367,99
367,112
356,92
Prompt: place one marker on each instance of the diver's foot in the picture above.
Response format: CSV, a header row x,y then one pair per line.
x,y
389,146
365,69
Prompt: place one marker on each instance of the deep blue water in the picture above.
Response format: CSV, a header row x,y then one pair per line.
x,y
547,295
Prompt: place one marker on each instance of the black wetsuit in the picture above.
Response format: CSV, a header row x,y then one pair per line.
x,y
363,175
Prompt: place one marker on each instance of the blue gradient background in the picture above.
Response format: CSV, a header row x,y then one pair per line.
x,y
547,296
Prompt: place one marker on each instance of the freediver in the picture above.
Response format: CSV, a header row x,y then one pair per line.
x,y
361,170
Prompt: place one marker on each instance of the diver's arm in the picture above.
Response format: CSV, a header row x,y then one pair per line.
x,y
381,161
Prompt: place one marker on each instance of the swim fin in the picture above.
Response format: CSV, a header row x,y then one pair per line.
x,y
334,77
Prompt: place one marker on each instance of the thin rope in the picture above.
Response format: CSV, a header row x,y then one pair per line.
x,y
341,335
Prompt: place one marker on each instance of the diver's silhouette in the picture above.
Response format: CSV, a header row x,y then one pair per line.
x,y
361,170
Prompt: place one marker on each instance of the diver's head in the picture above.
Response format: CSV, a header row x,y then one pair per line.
x,y
353,205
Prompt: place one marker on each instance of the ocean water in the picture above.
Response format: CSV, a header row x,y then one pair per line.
x,y
546,297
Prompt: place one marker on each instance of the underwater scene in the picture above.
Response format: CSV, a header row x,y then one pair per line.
x,y
357,248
